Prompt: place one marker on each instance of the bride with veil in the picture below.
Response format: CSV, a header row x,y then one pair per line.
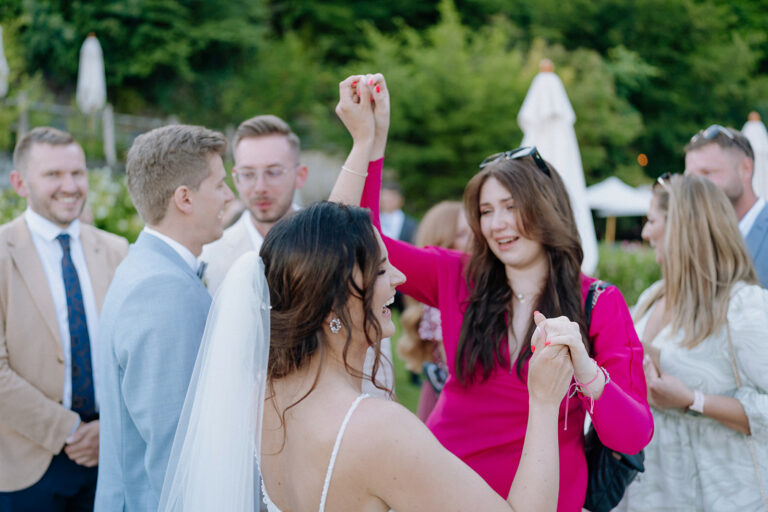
x,y
279,374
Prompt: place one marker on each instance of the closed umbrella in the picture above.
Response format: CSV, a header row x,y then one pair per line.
x,y
755,131
91,82
546,118
4,71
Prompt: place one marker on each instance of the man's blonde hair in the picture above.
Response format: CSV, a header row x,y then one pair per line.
x,y
39,135
262,126
164,159
704,257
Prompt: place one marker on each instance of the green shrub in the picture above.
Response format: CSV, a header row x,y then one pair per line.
x,y
630,266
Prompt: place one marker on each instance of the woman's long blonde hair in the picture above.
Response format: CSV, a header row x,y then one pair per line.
x,y
437,228
704,256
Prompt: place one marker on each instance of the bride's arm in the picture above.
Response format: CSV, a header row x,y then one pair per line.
x,y
415,472
364,109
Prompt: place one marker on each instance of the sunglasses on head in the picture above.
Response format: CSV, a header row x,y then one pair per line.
x,y
711,133
515,154
663,180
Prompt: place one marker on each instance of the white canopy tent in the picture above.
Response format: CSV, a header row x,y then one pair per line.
x,y
613,198
755,131
546,118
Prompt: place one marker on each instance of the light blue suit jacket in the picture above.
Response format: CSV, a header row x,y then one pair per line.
x,y
151,325
757,243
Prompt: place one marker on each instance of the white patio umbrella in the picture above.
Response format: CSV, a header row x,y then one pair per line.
x,y
755,131
91,82
4,70
613,198
546,118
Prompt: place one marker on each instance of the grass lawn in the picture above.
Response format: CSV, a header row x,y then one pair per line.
x,y
407,394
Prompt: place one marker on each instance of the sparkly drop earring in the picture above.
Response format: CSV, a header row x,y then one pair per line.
x,y
335,325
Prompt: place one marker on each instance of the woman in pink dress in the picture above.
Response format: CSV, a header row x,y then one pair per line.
x,y
526,257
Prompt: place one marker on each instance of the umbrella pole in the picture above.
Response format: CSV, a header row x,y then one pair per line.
x,y
610,229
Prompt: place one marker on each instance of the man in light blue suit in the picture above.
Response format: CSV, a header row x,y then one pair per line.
x,y
155,310
725,157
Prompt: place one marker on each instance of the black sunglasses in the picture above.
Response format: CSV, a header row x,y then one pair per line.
x,y
711,133
663,180
515,154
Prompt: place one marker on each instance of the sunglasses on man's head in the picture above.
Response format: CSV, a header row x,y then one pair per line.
x,y
515,154
663,180
711,133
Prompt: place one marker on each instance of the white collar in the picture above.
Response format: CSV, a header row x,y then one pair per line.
x,y
746,222
247,219
185,253
46,229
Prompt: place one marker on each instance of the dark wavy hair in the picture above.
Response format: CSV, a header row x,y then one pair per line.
x,y
310,259
546,216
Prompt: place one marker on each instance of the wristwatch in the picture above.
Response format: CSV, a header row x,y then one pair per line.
x,y
697,407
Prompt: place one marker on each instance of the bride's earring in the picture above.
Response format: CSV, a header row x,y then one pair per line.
x,y
335,325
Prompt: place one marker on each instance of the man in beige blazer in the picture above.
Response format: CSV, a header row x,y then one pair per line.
x,y
267,174
48,452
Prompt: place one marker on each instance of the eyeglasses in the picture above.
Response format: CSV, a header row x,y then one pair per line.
x,y
711,133
663,180
270,175
515,154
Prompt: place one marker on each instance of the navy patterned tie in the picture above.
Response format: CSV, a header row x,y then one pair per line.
x,y
83,401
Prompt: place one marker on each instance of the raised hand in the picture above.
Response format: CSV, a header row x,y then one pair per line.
x,y
561,331
380,95
355,109
550,370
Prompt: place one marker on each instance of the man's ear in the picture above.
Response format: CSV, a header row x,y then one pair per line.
x,y
182,199
301,176
746,170
18,183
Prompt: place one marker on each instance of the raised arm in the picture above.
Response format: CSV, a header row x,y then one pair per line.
x,y
415,472
364,109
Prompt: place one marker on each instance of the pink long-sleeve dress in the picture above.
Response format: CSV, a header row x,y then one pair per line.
x,y
484,423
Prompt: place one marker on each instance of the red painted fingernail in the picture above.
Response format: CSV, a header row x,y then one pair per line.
x,y
536,312
354,83
378,88
359,94
547,343
370,82
533,348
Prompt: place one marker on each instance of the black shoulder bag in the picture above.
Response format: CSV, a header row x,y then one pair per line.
x,y
609,472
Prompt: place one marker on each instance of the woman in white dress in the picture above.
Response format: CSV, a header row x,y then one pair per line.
x,y
324,445
710,447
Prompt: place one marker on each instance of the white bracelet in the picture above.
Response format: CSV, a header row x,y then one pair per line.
x,y
356,173
698,402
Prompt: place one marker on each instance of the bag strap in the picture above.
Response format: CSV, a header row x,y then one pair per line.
x,y
749,439
595,289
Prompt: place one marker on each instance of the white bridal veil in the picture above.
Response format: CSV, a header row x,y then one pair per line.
x,y
219,434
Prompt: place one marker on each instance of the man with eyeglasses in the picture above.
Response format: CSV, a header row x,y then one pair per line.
x,y
725,157
266,174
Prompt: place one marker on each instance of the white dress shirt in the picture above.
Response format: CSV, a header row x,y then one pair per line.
x,y
44,233
182,251
392,223
746,222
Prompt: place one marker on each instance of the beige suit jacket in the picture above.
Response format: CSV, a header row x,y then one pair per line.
x,y
33,423
221,254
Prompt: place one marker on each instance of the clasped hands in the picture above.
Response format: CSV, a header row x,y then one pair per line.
x,y
364,108
83,445
665,391
564,336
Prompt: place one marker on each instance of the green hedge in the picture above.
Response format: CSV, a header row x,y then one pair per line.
x,y
630,266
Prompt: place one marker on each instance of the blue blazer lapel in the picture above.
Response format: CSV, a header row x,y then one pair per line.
x,y
757,234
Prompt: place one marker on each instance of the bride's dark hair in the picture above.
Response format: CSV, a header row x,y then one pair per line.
x,y
310,260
